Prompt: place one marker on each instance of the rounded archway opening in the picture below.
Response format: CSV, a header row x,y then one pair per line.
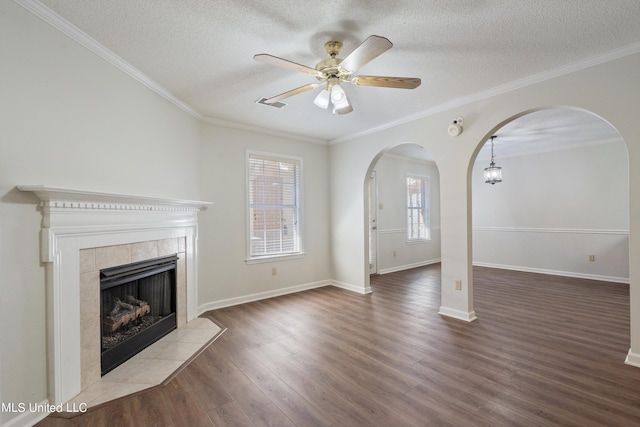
x,y
562,207
402,210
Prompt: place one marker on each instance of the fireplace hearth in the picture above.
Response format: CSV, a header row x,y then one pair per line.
x,y
137,308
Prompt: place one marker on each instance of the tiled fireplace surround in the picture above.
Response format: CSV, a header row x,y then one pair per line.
x,y
83,232
92,260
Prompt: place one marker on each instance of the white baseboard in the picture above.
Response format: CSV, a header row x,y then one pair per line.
x,y
350,287
26,416
633,359
213,305
408,266
554,272
457,314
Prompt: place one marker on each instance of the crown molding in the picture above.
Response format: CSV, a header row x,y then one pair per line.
x,y
261,130
498,90
73,32
84,39
90,43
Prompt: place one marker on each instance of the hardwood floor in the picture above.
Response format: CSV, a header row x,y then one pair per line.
x,y
544,351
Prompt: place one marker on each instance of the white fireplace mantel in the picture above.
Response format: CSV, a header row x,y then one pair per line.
x,y
74,220
54,194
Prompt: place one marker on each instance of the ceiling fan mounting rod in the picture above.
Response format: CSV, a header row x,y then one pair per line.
x,y
332,48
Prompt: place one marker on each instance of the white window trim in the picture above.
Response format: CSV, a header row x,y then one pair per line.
x,y
427,197
273,257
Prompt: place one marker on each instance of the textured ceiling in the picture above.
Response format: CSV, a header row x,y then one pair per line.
x,y
201,51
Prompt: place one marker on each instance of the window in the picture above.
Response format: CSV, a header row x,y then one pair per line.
x,y
417,208
274,205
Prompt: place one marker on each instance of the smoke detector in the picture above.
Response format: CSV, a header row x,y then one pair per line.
x,y
455,128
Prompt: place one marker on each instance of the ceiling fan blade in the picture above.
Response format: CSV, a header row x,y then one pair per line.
x,y
292,92
279,62
368,50
380,81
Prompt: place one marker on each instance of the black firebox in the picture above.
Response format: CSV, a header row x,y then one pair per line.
x,y
137,307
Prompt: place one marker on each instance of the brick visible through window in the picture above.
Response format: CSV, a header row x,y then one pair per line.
x,y
417,207
274,205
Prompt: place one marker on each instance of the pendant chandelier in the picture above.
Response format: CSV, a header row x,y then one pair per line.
x,y
493,173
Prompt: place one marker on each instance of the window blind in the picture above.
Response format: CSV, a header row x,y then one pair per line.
x,y
274,205
417,207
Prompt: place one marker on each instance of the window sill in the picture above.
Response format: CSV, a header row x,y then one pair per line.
x,y
275,258
417,242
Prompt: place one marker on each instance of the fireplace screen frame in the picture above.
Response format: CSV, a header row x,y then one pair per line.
x,y
121,275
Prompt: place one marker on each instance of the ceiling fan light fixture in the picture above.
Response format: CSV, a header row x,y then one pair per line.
x,y
322,100
344,110
339,97
340,100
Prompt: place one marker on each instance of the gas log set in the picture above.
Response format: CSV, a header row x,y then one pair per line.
x,y
124,312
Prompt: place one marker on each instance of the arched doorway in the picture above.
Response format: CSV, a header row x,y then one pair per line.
x,y
402,188
562,207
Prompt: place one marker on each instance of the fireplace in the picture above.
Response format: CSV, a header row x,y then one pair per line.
x,y
85,232
137,308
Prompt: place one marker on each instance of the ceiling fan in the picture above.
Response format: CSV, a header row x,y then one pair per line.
x,y
333,71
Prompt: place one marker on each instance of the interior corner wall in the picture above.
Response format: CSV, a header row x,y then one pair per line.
x,y
554,209
69,119
395,253
225,278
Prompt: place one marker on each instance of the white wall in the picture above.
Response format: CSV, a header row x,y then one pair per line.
x,y
225,277
68,119
553,210
609,89
391,173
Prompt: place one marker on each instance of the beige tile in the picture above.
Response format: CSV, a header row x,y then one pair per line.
x,y
87,260
91,393
148,368
89,296
117,391
202,323
154,364
111,256
168,246
89,328
144,250
90,353
169,351
143,371
104,391
181,292
200,336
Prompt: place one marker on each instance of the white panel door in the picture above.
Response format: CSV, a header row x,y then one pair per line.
x,y
373,225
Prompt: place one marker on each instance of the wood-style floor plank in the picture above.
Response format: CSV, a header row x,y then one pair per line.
x,y
545,351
